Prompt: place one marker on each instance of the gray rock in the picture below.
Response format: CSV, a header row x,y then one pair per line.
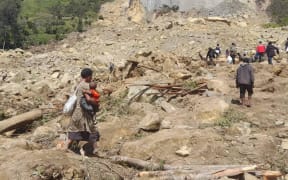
x,y
284,144
279,123
165,124
167,107
183,151
151,122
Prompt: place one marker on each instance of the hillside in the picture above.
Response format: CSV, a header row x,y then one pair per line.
x,y
38,22
176,115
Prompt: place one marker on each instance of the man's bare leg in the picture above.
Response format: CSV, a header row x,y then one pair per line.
x,y
249,101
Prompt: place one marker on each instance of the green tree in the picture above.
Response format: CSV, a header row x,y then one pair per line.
x,y
11,35
278,9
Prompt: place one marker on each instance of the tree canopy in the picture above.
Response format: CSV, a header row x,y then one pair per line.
x,y
10,31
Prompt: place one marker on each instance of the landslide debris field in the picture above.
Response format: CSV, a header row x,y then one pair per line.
x,y
177,117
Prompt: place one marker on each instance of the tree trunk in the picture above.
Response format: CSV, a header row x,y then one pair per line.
x,y
4,42
20,120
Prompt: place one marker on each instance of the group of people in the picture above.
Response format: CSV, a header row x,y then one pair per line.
x,y
231,54
245,74
82,125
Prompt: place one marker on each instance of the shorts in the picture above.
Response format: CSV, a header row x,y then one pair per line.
x,y
84,136
244,88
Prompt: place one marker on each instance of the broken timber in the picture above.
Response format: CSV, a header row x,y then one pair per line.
x,y
170,89
20,120
197,172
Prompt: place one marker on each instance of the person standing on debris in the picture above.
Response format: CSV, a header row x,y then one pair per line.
x,y
82,124
270,51
211,54
233,52
260,51
245,81
218,50
245,58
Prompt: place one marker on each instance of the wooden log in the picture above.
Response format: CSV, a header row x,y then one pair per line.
x,y
20,120
234,171
271,175
175,174
140,164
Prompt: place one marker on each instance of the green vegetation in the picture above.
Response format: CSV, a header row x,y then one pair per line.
x,y
278,9
230,116
190,84
35,22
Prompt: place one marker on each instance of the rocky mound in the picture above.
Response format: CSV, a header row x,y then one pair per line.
x,y
167,109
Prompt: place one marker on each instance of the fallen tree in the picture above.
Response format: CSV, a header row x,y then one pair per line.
x,y
163,171
140,164
20,120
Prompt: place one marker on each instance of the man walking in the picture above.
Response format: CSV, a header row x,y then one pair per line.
x,y
245,81
211,54
270,50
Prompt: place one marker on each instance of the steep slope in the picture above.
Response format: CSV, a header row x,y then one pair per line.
x,y
208,123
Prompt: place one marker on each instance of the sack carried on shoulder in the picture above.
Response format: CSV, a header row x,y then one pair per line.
x,y
71,102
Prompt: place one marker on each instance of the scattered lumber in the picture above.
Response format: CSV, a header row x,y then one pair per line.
x,y
164,171
171,89
176,174
20,120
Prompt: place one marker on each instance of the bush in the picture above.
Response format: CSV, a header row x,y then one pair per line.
x,y
231,116
39,39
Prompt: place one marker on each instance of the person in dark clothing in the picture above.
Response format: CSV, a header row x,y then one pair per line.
x,y
233,52
270,51
245,81
245,58
211,54
218,50
260,50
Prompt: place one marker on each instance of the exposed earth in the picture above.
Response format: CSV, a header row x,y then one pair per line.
x,y
203,128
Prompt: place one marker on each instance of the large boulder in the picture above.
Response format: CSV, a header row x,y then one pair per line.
x,y
142,107
42,88
208,110
151,122
113,133
163,144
